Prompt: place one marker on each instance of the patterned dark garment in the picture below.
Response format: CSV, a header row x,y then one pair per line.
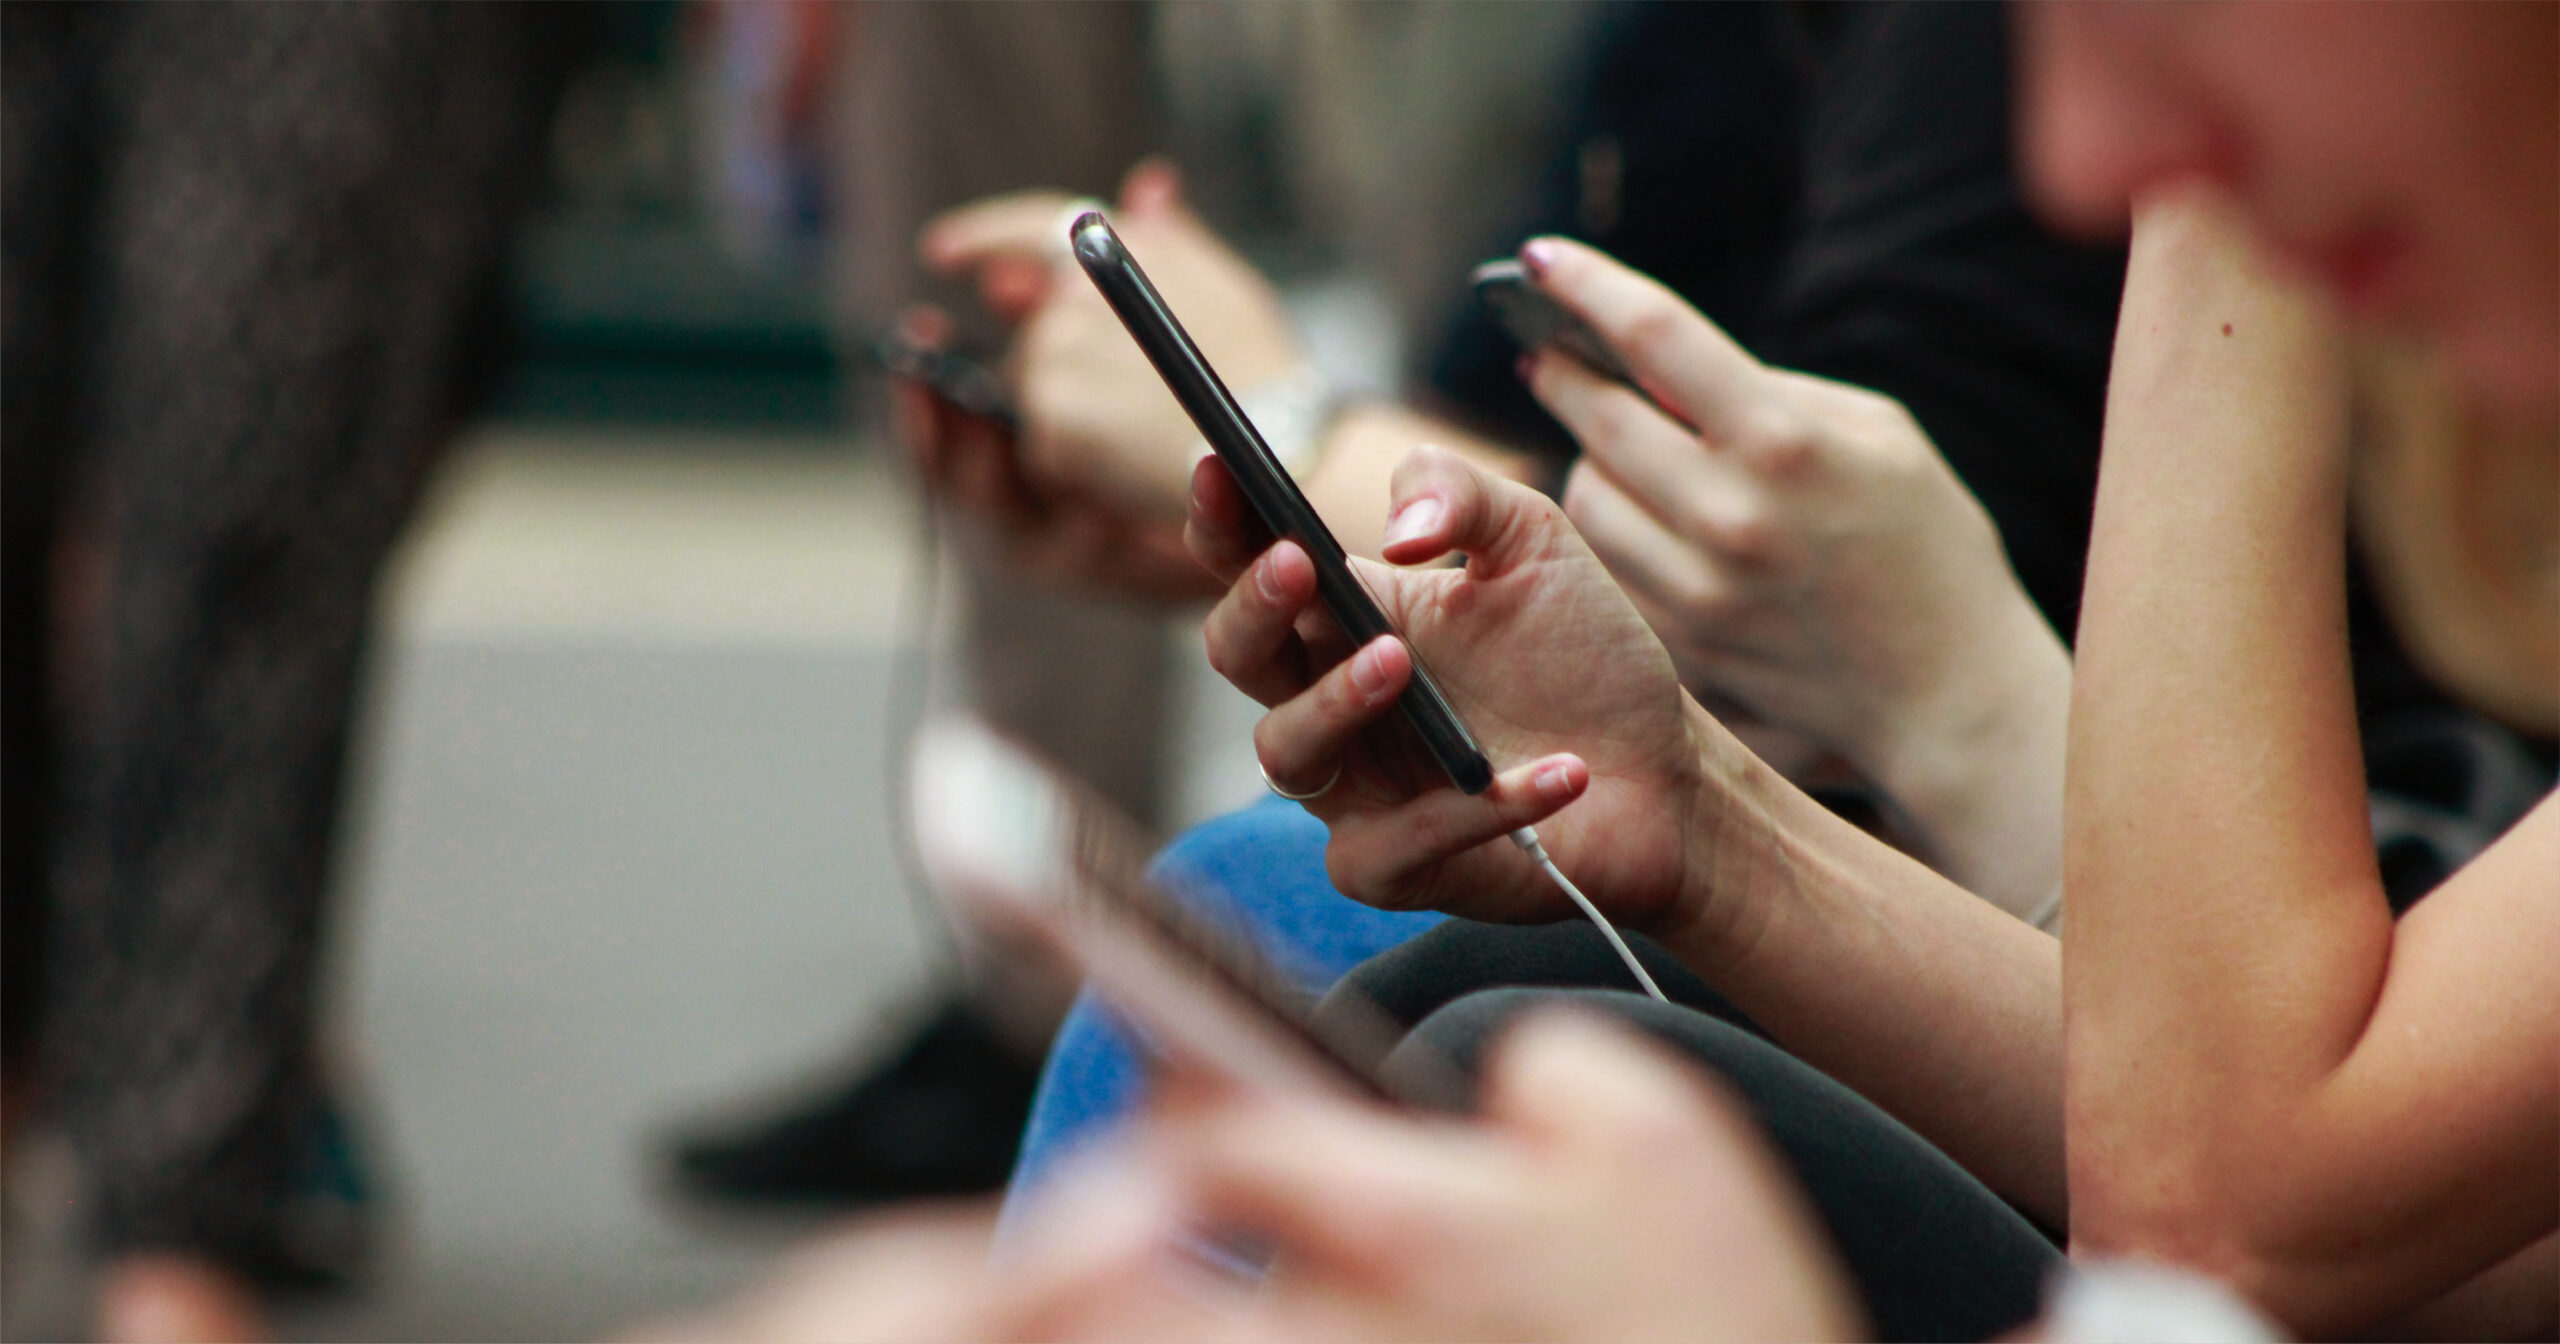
x,y
251,255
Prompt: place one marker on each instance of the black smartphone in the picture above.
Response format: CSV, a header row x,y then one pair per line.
x,y
1266,484
954,377
1535,319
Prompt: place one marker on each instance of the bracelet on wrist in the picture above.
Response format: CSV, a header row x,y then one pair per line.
x,y
1294,413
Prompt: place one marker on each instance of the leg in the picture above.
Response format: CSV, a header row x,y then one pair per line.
x,y
298,220
1260,870
1935,1254
1413,981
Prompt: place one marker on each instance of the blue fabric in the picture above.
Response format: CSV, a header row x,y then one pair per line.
x,y
1259,872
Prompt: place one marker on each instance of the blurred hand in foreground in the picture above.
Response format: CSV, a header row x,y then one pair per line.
x,y
1606,1192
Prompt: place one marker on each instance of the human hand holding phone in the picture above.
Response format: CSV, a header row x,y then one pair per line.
x,y
1802,548
972,461
1538,652
1095,418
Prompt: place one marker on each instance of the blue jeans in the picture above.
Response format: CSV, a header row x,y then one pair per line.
x,y
1260,872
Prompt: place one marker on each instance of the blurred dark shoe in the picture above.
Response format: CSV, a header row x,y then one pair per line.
x,y
942,1116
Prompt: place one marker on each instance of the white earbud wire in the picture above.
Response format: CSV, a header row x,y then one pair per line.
x,y
1527,839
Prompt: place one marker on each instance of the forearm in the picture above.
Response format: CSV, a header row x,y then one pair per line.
x,y
1979,771
1936,1006
1349,482
2229,939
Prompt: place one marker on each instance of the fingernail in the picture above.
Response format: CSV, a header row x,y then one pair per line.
x,y
1538,254
1414,521
1266,581
1367,676
1553,780
1526,366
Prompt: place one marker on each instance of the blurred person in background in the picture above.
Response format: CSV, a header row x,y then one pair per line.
x,y
933,104
252,266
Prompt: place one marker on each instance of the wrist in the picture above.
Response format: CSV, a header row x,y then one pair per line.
x,y
1741,849
1977,764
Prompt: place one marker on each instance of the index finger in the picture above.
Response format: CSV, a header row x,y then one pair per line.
x,y
1018,223
1681,359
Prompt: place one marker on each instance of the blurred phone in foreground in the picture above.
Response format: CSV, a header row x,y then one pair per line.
x,y
1046,867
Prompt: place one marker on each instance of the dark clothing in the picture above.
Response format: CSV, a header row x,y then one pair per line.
x,y
1681,159
1934,1254
1921,273
252,251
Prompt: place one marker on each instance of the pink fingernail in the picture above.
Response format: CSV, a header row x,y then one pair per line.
x,y
1554,780
1414,521
1367,676
1538,254
1267,579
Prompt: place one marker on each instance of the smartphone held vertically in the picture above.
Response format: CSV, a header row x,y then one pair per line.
x,y
1266,484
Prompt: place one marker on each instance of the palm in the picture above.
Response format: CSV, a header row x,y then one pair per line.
x,y
1545,656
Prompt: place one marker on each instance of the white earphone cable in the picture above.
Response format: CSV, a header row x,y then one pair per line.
x,y
1527,839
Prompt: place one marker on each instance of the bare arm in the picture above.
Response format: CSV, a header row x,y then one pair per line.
x,y
1930,1002
2268,1079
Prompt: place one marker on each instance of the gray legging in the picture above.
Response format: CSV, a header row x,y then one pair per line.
x,y
1934,1253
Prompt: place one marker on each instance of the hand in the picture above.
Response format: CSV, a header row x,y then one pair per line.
x,y
1096,420
1054,534
1604,1193
1538,652
1805,551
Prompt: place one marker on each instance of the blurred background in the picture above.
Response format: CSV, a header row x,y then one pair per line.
x,y
638,598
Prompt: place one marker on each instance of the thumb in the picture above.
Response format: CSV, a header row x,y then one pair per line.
x,y
1444,503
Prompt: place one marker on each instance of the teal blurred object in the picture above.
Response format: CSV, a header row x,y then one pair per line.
x,y
651,321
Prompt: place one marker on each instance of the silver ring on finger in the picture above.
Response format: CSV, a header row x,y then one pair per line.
x,y
1310,795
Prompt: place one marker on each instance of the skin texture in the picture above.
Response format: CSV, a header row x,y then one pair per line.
x,y
1092,491
1813,560
1871,967
1604,1192
2268,1078
2403,157
1801,548
2399,154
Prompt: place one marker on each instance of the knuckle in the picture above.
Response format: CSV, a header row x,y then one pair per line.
x,y
1221,660
1271,744
1749,538
1649,335
1701,599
